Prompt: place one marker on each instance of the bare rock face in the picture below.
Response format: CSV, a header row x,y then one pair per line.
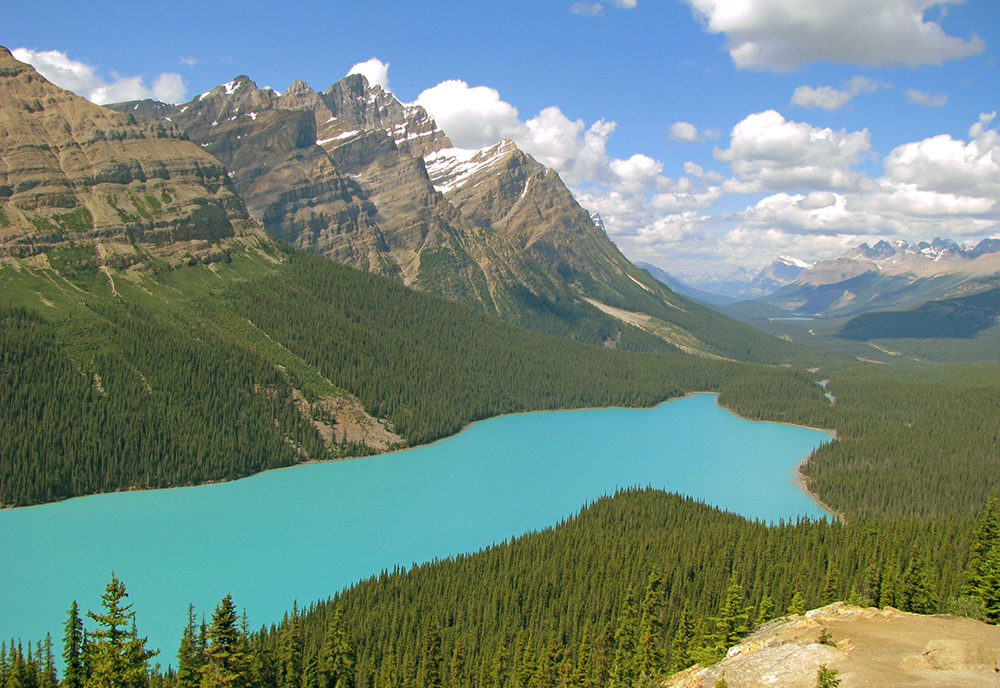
x,y
73,170
867,647
355,175
345,173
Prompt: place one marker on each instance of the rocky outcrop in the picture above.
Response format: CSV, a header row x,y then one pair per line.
x,y
72,170
865,646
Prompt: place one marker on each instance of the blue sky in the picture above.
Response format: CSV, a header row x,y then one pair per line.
x,y
708,133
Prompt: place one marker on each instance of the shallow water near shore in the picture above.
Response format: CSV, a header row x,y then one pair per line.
x,y
306,532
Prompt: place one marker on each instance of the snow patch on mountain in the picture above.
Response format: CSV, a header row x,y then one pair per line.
x,y
789,260
451,168
338,137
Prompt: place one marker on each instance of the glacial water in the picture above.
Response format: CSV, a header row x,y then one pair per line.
x,y
304,533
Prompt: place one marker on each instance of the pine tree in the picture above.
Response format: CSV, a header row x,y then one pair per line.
x,y
525,663
827,678
888,595
458,661
798,604
982,570
224,662
988,584
623,667
731,624
46,664
680,648
765,611
431,658
336,661
873,583
73,673
919,587
408,676
499,670
119,658
310,670
290,653
189,655
649,660
388,674
831,586
583,671
549,662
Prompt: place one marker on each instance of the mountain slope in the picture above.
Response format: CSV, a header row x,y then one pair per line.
x,y
961,317
354,175
683,289
69,169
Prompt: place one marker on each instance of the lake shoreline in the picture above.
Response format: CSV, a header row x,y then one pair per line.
x,y
802,482
798,479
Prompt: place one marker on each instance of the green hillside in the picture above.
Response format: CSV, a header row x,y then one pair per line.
x,y
167,373
255,356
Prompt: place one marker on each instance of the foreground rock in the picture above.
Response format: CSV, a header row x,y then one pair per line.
x,y
867,646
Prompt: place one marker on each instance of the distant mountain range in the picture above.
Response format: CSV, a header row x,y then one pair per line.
x,y
742,284
890,276
887,275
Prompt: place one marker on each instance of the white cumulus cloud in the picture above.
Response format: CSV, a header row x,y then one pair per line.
x,y
943,165
830,98
938,186
781,155
376,71
476,117
576,152
784,34
473,117
83,79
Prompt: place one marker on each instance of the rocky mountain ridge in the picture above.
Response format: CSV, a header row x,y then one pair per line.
x,y
70,170
345,173
891,276
355,175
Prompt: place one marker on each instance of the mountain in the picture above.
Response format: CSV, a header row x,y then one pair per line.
x,y
962,317
890,276
683,289
355,175
71,170
161,337
742,284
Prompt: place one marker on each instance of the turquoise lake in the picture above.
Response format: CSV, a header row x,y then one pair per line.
x,y
307,532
